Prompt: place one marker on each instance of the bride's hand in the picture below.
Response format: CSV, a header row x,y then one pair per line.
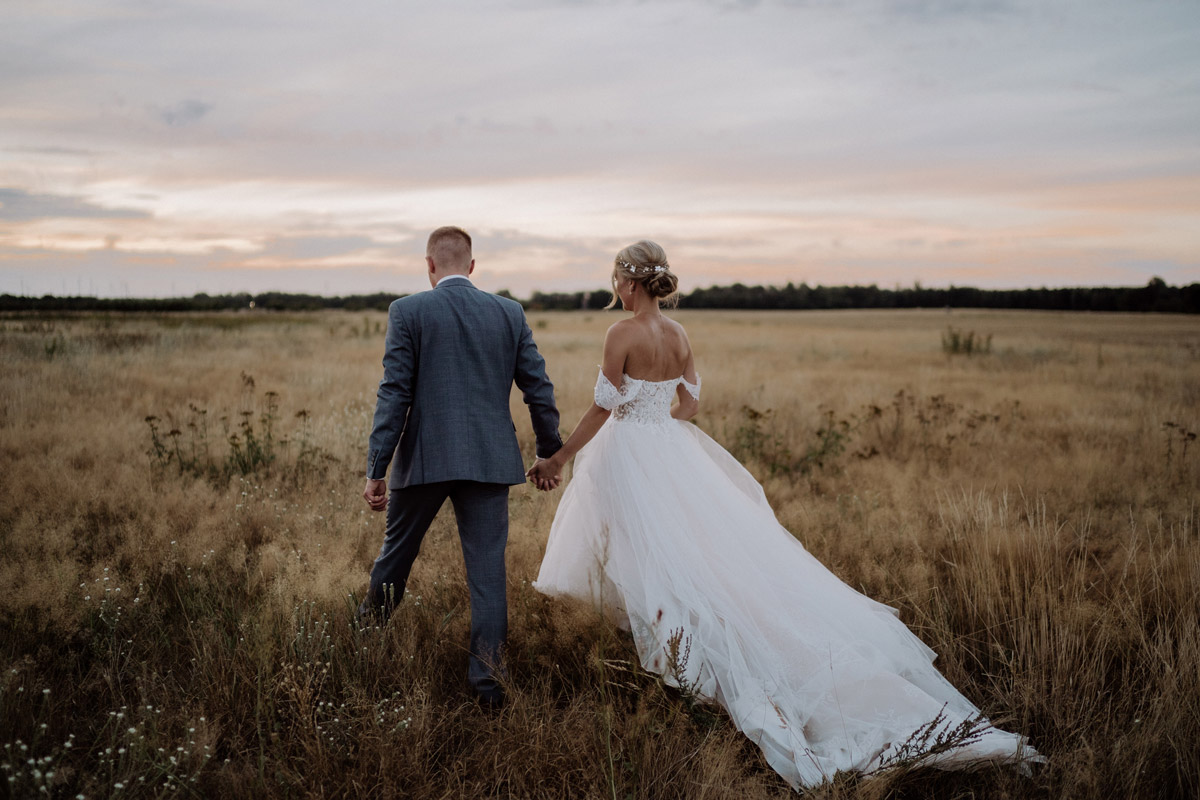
x,y
545,474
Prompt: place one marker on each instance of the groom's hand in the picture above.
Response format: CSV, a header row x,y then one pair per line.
x,y
376,494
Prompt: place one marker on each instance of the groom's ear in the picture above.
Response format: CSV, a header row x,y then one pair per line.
x,y
471,268
429,264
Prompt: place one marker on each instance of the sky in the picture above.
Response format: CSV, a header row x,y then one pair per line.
x,y
169,147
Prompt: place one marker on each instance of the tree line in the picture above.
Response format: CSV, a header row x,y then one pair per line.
x,y
1155,296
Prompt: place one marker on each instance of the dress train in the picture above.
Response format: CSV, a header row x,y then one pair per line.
x,y
665,529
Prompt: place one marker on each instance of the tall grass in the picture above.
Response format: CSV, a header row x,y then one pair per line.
x,y
170,630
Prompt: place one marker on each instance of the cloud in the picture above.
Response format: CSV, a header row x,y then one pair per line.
x,y
316,247
184,112
17,205
52,151
932,10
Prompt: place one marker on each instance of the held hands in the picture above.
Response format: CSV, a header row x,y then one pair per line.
x,y
376,494
546,473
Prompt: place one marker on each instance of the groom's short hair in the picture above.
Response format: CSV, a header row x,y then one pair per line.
x,y
449,247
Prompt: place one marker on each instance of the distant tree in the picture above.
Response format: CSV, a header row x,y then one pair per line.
x,y
1156,295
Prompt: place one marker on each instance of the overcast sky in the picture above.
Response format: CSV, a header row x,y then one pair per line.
x,y
177,146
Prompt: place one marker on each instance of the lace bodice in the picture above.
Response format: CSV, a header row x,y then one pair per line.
x,y
645,402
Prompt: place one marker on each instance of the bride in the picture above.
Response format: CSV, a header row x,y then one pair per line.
x,y
664,529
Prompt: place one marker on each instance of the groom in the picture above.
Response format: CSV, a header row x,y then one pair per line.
x,y
451,358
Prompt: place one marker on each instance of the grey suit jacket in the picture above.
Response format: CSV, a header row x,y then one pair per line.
x,y
451,358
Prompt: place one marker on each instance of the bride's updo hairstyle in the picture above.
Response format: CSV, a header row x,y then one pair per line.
x,y
645,263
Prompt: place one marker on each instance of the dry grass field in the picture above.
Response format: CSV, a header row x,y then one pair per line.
x,y
175,613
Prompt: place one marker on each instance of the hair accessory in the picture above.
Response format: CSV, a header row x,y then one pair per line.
x,y
637,269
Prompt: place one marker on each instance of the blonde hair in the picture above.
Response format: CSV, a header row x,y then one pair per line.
x,y
645,262
449,247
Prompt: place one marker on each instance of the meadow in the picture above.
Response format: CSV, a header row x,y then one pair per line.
x,y
184,540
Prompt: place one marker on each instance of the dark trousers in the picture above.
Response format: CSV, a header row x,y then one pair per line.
x,y
481,510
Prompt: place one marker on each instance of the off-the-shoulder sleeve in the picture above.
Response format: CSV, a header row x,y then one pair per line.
x,y
609,397
692,388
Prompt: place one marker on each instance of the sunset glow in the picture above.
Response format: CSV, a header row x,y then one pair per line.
x,y
164,149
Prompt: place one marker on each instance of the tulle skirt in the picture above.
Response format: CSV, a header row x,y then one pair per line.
x,y
665,530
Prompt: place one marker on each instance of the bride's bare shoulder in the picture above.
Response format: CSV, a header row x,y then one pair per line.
x,y
621,330
677,326
618,341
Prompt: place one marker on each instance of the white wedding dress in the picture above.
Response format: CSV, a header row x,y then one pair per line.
x,y
662,527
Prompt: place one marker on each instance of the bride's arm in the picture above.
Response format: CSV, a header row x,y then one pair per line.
x,y
616,346
589,425
688,406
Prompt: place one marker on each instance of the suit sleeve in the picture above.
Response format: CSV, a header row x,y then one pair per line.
x,y
538,393
394,397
